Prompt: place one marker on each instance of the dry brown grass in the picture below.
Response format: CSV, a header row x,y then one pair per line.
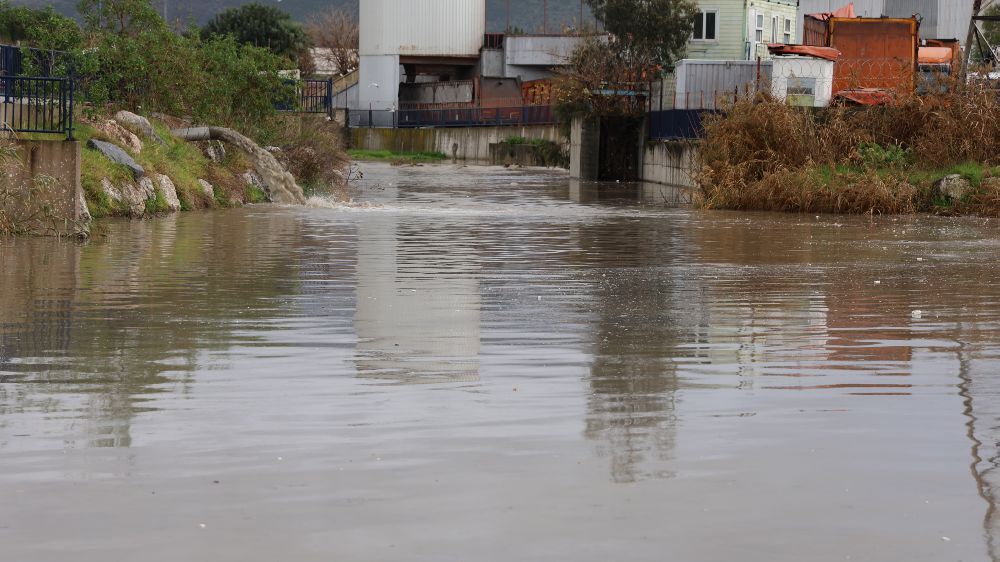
x,y
763,154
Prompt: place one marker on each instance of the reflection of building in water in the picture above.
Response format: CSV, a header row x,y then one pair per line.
x,y
649,193
979,389
640,311
418,302
100,330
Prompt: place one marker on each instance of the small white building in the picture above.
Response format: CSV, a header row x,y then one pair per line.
x,y
802,80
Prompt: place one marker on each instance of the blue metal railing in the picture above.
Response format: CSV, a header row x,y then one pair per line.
x,y
11,60
36,105
18,61
676,124
311,96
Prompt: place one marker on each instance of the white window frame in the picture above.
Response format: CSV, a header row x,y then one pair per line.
x,y
759,28
788,35
704,26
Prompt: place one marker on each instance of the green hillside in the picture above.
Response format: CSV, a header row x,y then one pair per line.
x,y
524,14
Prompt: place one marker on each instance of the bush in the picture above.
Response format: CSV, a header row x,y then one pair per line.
x,y
261,26
764,154
315,156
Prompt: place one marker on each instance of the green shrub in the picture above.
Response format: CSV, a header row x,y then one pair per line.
x,y
875,155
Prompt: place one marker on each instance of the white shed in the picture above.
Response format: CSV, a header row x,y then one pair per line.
x,y
802,80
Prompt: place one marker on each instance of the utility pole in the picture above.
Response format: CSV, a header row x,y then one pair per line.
x,y
545,16
508,17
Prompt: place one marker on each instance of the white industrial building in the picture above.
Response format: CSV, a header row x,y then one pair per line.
x,y
420,54
402,40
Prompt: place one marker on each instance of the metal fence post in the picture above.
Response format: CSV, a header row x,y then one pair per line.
x,y
329,97
70,112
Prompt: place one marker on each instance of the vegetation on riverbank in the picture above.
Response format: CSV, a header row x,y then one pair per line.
x,y
550,153
763,154
206,174
183,162
126,57
397,158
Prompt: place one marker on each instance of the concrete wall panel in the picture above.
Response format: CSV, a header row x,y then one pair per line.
x,y
422,27
460,143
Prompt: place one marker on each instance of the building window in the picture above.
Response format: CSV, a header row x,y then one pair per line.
x,y
760,28
788,31
774,29
706,23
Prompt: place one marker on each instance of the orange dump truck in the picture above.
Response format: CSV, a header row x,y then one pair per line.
x,y
879,56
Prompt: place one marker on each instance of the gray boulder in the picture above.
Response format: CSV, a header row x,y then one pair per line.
x,y
207,188
117,155
138,123
953,187
169,192
110,190
216,151
135,197
85,216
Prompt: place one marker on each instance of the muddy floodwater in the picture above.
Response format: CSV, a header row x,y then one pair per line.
x,y
471,364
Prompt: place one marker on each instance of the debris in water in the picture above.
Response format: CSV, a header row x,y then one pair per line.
x,y
946,539
917,313
877,282
202,525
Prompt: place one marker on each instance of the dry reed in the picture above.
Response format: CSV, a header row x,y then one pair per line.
x,y
762,154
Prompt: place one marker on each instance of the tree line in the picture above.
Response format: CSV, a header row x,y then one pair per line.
x,y
122,53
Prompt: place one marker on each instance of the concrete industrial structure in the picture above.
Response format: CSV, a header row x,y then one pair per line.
x,y
435,53
433,39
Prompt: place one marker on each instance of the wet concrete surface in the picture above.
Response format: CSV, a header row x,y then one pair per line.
x,y
485,364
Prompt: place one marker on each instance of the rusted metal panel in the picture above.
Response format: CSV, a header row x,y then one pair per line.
x,y
877,52
499,92
814,32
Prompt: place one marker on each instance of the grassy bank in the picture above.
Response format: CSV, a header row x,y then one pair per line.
x,y
765,155
183,162
310,150
396,157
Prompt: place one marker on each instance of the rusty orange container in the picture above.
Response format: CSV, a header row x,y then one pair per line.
x,y
877,53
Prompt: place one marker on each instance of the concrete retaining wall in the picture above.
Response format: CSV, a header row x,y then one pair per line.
x,y
40,192
670,163
584,149
460,143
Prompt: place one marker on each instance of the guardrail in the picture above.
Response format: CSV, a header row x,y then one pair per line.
x,y
454,117
36,105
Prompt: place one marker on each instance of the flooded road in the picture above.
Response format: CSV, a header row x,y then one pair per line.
x,y
479,364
